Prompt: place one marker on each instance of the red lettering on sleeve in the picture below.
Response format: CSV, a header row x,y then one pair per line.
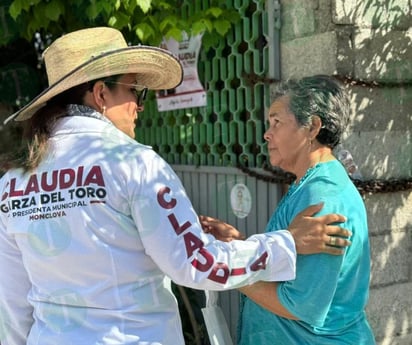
x,y
238,271
162,201
192,243
175,224
219,273
203,267
259,264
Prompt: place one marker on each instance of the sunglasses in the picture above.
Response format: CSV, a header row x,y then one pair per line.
x,y
140,91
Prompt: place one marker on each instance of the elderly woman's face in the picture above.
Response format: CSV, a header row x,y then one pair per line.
x,y
287,141
121,104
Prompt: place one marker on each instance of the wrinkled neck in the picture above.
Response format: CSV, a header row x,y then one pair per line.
x,y
317,154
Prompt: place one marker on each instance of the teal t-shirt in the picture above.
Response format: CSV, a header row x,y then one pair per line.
x,y
330,292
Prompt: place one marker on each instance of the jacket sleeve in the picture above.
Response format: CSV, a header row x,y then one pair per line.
x,y
172,236
15,310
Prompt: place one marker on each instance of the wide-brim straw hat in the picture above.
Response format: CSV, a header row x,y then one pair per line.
x,y
94,53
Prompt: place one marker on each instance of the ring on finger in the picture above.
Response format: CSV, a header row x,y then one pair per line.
x,y
332,241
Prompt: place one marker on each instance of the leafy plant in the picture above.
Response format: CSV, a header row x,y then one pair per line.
x,y
142,21
27,27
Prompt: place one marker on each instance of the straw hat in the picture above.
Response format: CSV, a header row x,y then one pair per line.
x,y
89,54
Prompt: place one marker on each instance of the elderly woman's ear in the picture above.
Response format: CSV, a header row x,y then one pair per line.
x,y
315,126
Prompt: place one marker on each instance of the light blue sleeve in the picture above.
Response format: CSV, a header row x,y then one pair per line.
x,y
310,295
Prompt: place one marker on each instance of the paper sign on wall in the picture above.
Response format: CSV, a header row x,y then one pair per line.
x,y
190,93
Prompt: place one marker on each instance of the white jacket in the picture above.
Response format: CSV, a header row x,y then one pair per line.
x,y
88,239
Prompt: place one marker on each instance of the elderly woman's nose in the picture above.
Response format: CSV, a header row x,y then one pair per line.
x,y
266,136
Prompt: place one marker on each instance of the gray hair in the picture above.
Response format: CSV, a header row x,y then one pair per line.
x,y
319,95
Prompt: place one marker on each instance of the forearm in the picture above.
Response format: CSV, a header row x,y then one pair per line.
x,y
265,294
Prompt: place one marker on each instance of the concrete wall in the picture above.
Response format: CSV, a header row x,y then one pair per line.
x,y
371,43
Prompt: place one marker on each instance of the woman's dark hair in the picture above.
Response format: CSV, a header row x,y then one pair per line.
x,y
319,95
37,129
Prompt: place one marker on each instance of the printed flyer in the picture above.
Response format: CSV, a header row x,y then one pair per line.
x,y
190,93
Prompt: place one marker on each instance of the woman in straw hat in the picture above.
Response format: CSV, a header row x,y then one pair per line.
x,y
92,222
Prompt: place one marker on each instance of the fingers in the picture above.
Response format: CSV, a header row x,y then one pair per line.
x,y
219,229
337,241
338,231
207,229
327,219
332,218
207,223
240,236
203,218
335,245
311,210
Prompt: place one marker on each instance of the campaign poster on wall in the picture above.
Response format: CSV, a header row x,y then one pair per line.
x,y
190,93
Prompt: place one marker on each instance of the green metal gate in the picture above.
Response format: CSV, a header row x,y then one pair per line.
x,y
229,130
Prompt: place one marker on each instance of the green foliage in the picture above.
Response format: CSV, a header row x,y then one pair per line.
x,y
142,21
27,27
19,84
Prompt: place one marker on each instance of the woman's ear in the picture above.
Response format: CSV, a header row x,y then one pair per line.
x,y
99,89
315,126
95,98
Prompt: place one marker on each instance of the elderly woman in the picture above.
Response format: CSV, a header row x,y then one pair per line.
x,y
326,302
93,223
